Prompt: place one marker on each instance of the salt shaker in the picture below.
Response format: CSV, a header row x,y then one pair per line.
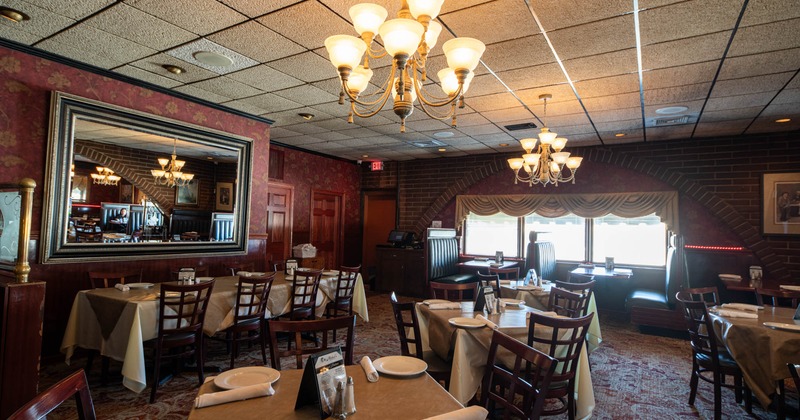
x,y
350,398
339,402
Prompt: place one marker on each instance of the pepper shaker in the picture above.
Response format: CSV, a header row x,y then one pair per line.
x,y
350,398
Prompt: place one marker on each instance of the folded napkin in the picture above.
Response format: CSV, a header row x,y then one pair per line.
x,y
474,412
488,323
530,288
515,304
790,287
548,313
742,306
451,305
729,313
122,287
369,369
238,394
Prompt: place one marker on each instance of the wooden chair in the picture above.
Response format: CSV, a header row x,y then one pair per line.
x,y
511,273
585,289
278,265
457,292
104,279
489,280
199,271
180,329
405,316
296,329
580,278
305,285
249,319
709,295
564,338
87,232
518,388
342,303
786,298
796,377
566,303
235,268
41,405
708,358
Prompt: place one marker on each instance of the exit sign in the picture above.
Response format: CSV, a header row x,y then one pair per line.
x,y
377,166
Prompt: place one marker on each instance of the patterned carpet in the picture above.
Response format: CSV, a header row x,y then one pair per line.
x,y
635,376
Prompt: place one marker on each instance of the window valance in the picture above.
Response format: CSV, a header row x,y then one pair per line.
x,y
663,203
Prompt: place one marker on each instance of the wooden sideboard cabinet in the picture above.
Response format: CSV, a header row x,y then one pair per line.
x,y
402,271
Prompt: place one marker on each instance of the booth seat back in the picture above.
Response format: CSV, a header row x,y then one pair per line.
x,y
221,227
542,258
110,211
442,257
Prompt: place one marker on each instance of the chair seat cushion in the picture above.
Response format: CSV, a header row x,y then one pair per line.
x,y
647,298
457,278
725,360
435,363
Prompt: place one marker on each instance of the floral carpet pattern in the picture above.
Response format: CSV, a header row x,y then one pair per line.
x,y
635,376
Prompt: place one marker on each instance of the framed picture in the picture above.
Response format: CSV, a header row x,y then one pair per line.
x,y
126,193
79,191
187,195
224,196
780,203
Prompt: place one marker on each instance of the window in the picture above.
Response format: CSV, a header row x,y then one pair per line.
x,y
567,233
639,240
484,235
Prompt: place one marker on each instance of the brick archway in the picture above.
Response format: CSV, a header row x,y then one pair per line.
x,y
727,214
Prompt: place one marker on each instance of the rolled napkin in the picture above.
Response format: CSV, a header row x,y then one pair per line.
x,y
122,287
488,323
742,306
369,369
238,394
728,313
515,304
451,305
474,412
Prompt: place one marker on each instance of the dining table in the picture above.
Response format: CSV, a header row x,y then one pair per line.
x,y
117,323
468,348
761,346
408,397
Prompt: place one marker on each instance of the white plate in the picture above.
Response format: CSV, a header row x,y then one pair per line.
x,y
202,279
466,322
433,301
790,287
139,285
254,375
730,276
782,326
512,302
400,365
330,273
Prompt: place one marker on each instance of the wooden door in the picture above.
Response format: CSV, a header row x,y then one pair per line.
x,y
380,209
279,221
327,226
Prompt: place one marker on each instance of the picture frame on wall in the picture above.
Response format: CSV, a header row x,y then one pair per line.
x,y
126,193
780,203
187,195
224,196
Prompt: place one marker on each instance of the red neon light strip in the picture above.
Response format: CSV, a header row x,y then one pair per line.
x,y
715,248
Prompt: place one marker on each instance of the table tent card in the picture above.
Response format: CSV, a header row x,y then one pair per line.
x,y
186,275
323,373
485,299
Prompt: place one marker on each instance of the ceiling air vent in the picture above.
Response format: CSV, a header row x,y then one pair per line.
x,y
523,126
425,144
678,119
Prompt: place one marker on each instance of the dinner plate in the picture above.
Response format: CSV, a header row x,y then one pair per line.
x,y
466,322
400,365
139,285
246,376
202,279
330,273
782,326
512,302
790,287
433,301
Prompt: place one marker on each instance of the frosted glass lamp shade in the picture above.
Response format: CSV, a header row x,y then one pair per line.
x,y
359,79
425,8
448,80
574,162
515,163
345,50
463,53
528,144
432,34
560,158
546,137
559,143
401,36
368,17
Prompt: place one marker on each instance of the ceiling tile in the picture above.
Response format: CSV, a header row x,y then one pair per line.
x,y
107,50
721,128
627,100
560,94
308,67
630,129
269,45
784,110
684,51
227,87
764,38
137,26
594,38
483,129
245,107
693,108
332,136
739,101
485,84
510,114
670,133
12,34
191,74
788,96
680,75
470,119
492,102
622,114
731,114
198,16
606,86
752,65
677,94
272,103
44,21
531,77
75,9
517,53
765,11
688,19
188,53
556,14
768,125
195,91
308,23
255,8
768,83
306,95
493,22
602,65
264,78
147,76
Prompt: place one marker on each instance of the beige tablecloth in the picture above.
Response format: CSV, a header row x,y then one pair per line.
x,y
761,352
415,397
123,339
469,349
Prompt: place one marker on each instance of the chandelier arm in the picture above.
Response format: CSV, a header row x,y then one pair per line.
x,y
386,92
424,101
370,110
435,116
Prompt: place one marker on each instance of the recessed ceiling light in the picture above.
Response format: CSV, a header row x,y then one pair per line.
x,y
306,116
13,15
443,134
671,110
364,156
503,145
173,69
783,120
442,149
212,58
619,135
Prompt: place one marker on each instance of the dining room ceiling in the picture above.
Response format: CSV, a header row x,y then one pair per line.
x,y
620,71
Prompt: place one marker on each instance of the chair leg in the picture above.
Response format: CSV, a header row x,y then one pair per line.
x,y
717,396
156,375
780,401
737,388
200,357
693,383
234,348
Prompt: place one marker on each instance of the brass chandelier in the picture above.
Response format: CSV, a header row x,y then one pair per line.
x,y
104,176
547,165
407,40
170,173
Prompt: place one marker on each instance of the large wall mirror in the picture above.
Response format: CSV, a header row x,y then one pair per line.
x,y
122,184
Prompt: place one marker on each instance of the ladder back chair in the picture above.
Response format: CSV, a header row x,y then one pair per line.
x,y
405,317
305,284
342,303
41,405
584,289
785,298
104,279
511,273
566,303
458,292
235,268
296,329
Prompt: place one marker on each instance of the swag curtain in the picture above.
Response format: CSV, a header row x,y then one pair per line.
x,y
663,203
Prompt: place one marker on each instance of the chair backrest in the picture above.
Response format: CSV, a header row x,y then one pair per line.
x,y
187,304
199,271
251,298
701,329
103,279
345,285
305,284
542,258
297,328
518,386
405,316
564,339
786,298
795,375
511,273
489,280
709,295
222,227
585,289
566,303
87,231
245,266
457,292
74,384
580,278
442,257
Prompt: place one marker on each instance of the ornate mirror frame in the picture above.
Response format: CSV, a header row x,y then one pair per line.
x,y
66,109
